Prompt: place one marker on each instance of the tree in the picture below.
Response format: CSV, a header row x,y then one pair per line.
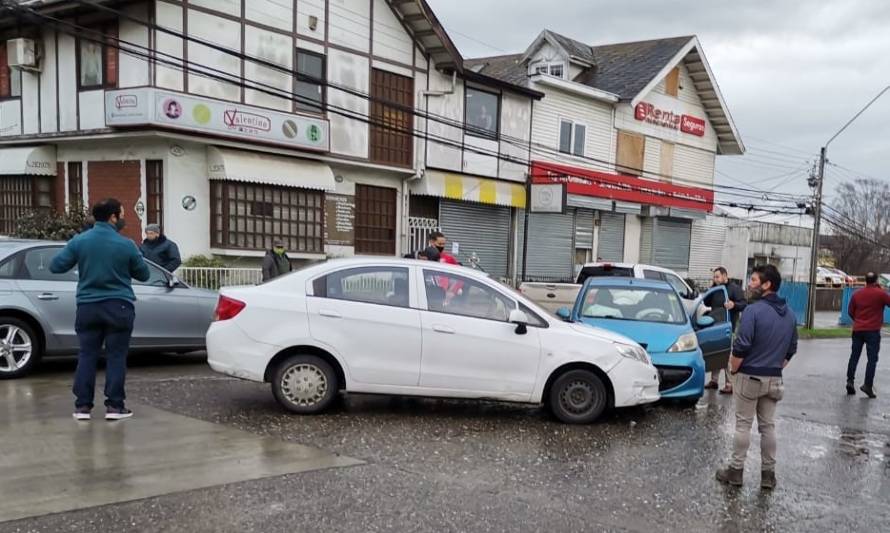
x,y
861,240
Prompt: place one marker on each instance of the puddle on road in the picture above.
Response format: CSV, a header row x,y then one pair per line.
x,y
850,442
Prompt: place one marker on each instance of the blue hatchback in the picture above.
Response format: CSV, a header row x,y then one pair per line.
x,y
651,313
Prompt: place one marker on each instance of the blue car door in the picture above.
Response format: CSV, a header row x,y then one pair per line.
x,y
715,339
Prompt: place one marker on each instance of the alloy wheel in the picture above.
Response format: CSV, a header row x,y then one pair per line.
x,y
16,348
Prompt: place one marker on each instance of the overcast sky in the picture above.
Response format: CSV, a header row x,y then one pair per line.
x,y
791,72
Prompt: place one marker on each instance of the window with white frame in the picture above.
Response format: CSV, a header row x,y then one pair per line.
x,y
572,137
556,70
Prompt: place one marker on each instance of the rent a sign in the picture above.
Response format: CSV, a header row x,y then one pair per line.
x,y
146,106
666,118
623,188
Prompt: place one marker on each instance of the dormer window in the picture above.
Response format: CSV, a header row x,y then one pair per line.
x,y
557,70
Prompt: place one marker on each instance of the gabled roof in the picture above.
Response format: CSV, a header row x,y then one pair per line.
x,y
629,70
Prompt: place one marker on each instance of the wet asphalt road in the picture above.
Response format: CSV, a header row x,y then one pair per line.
x,y
435,465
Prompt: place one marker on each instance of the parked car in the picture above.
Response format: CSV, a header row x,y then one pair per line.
x,y
849,280
682,347
553,296
37,309
417,328
829,277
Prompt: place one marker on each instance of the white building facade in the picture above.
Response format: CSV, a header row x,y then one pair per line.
x,y
233,123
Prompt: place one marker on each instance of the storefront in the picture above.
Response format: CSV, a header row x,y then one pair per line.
x,y
665,214
27,182
477,215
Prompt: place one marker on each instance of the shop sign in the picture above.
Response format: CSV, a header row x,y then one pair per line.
x,y
623,188
548,198
148,106
339,220
650,114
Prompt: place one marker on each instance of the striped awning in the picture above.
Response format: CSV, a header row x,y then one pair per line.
x,y
470,189
253,167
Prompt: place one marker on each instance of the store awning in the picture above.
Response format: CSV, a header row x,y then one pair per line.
x,y
28,160
470,189
253,167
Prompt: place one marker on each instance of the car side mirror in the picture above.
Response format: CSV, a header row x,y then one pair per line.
x,y
564,313
519,318
173,282
705,321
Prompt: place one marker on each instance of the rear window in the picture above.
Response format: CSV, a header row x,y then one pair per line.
x,y
602,271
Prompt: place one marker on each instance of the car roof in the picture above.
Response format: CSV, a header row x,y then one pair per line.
x,y
372,260
618,281
11,246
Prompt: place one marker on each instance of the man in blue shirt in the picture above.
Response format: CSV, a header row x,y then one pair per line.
x,y
764,345
106,263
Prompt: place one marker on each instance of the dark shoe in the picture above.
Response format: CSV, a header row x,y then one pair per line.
x,y
869,391
115,413
82,413
730,476
851,389
768,479
726,390
713,385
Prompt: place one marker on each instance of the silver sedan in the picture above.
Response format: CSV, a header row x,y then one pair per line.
x,y
37,309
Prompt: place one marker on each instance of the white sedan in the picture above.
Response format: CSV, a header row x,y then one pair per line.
x,y
415,328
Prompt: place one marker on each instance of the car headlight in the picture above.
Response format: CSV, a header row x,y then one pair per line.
x,y
687,342
636,353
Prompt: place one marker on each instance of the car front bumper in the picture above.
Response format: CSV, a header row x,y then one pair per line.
x,y
682,374
634,383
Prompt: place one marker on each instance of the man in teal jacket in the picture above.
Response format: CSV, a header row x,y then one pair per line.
x,y
106,263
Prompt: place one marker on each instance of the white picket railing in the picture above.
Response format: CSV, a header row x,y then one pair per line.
x,y
214,278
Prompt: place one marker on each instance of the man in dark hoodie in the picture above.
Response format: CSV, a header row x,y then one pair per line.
x,y
160,250
764,344
276,263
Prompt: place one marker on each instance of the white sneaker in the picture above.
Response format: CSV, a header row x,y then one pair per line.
x,y
82,413
113,413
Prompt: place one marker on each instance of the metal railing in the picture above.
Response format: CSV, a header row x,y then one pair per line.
x,y
215,278
419,230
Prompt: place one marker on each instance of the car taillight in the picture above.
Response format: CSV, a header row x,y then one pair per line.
x,y
227,308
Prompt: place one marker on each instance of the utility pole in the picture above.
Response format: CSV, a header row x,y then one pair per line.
x,y
817,213
814,252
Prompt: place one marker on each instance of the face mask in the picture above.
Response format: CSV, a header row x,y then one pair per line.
x,y
440,248
120,224
279,251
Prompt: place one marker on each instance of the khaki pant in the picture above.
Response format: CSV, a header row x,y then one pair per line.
x,y
756,395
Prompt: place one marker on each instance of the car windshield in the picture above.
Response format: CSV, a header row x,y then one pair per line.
x,y
633,303
600,271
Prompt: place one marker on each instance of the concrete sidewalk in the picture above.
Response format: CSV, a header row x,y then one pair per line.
x,y
52,463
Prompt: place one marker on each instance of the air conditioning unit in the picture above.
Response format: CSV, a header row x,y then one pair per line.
x,y
21,53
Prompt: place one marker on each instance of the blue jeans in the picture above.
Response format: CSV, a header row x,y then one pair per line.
x,y
872,342
108,323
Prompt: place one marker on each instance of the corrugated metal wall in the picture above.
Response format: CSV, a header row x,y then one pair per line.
x,y
584,228
611,237
551,252
671,243
479,228
647,228
707,244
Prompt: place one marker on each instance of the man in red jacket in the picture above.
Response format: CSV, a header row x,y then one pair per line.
x,y
867,311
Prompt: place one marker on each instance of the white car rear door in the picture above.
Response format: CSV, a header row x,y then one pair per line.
x,y
366,315
468,344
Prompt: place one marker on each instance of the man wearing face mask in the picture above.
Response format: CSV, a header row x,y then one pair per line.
x,y
276,263
106,264
436,246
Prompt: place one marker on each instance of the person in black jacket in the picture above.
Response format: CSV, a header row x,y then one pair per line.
x,y
160,250
276,263
719,305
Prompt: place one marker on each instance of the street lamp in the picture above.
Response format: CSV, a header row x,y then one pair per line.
x,y
817,213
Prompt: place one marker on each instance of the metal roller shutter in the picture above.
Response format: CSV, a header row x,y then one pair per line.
x,y
584,228
483,229
551,252
671,243
647,229
611,237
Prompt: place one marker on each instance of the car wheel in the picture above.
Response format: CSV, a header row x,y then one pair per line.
x,y
20,348
305,384
578,397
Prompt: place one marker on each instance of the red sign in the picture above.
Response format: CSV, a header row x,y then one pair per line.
x,y
648,113
622,187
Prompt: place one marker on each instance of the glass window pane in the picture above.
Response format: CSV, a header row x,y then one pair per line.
x,y
580,135
381,286
15,82
482,112
308,96
90,63
37,266
565,136
556,70
311,65
457,295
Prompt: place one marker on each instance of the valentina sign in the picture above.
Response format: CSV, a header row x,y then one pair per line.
x,y
650,114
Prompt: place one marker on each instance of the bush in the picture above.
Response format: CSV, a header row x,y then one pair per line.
x,y
203,261
52,226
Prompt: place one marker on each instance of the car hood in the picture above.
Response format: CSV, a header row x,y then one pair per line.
x,y
653,336
599,333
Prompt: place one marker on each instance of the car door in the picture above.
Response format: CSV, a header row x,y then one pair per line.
x,y
167,317
715,340
53,295
366,315
468,344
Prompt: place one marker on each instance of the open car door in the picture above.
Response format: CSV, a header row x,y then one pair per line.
x,y
713,328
